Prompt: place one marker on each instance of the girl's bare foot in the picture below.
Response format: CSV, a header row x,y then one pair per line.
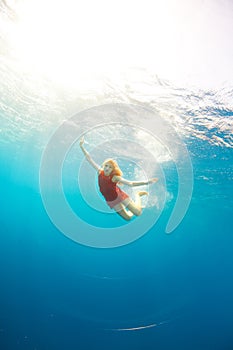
x,y
142,193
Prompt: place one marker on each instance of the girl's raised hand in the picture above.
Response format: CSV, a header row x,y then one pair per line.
x,y
153,180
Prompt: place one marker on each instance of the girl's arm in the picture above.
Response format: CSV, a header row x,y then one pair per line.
x,y
87,155
133,183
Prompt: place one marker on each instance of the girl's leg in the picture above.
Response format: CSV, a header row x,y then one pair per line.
x,y
136,207
120,210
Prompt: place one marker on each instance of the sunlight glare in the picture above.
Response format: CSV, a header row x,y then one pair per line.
x,y
178,40
66,40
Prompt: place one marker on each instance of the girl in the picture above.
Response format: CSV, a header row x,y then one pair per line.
x,y
109,175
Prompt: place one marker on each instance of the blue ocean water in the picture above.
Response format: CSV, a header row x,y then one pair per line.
x,y
161,291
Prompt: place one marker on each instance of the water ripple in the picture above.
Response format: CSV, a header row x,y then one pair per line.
x,y
31,105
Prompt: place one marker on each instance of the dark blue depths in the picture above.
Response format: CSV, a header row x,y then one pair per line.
x,y
160,292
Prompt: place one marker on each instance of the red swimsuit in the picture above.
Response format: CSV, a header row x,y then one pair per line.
x,y
109,189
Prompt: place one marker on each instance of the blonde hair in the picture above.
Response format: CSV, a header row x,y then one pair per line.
x,y
116,169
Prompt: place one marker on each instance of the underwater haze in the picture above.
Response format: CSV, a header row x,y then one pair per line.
x,y
74,275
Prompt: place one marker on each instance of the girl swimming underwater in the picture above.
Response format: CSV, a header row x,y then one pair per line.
x,y
109,175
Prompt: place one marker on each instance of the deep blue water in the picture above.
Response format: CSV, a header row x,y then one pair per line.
x,y
58,294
